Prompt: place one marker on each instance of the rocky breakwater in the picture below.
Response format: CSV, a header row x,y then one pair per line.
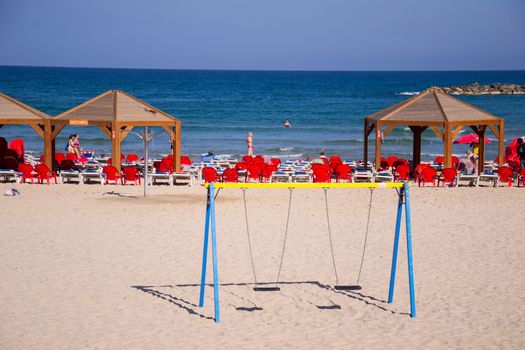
x,y
478,89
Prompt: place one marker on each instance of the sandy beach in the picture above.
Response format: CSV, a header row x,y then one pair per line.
x,y
99,267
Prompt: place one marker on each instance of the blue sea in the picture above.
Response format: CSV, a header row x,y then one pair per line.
x,y
218,108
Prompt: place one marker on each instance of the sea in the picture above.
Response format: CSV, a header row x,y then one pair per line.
x,y
218,108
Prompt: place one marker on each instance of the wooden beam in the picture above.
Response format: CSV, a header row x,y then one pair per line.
x,y
388,130
501,148
57,129
416,145
170,132
124,132
438,132
456,131
494,129
447,145
176,147
106,130
37,129
475,128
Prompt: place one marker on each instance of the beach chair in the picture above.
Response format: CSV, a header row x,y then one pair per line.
x,y
210,175
230,175
162,173
418,169
68,171
247,159
111,174
322,174
268,171
402,173
399,162
343,172
44,173
383,176
362,175
91,175
280,176
26,172
427,175
439,160
504,176
391,160
254,172
130,174
521,178
275,161
8,169
59,157
132,158
448,175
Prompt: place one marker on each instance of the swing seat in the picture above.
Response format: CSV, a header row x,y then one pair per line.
x,y
266,289
347,287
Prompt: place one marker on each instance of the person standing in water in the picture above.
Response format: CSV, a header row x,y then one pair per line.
x,y
249,142
287,124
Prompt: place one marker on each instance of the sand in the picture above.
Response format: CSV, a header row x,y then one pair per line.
x,y
102,268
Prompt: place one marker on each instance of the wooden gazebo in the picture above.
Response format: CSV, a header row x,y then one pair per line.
x,y
445,115
16,112
116,113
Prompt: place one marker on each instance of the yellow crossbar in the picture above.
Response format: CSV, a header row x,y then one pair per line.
x,y
308,185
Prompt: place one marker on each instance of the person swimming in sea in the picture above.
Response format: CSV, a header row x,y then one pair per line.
x,y
287,124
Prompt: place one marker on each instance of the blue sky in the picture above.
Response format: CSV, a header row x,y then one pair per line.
x,y
270,34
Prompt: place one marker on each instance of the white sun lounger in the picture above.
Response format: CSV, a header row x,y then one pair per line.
x,y
362,175
69,175
184,177
383,176
472,178
91,175
7,174
165,177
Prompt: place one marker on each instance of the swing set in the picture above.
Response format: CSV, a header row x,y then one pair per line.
x,y
402,189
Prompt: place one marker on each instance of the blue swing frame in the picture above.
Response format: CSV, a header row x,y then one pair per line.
x,y
403,201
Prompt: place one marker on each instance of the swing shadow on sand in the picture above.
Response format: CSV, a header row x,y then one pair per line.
x,y
172,296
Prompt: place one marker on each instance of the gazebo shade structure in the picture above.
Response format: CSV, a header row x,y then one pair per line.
x,y
116,113
15,112
445,115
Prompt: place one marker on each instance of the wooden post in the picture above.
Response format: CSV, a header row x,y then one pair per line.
x,y
447,145
365,144
481,156
416,146
176,147
115,144
378,145
501,148
49,153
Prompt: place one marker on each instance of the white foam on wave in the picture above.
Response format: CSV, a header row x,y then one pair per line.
x,y
285,149
408,93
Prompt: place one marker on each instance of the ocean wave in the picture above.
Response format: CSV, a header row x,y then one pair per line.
x,y
343,142
407,93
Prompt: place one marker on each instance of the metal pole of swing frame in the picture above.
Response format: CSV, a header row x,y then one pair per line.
x,y
145,138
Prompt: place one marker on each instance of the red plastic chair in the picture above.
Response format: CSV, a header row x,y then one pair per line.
x,y
427,175
27,172
44,173
67,164
505,175
130,174
247,159
402,173
254,172
448,175
275,161
241,165
268,171
418,170
521,178
185,160
399,162
230,175
168,161
391,161
210,174
455,162
343,172
439,160
59,157
161,167
335,160
71,156
258,160
322,174
132,158
112,174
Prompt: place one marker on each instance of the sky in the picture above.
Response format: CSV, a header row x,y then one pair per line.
x,y
265,35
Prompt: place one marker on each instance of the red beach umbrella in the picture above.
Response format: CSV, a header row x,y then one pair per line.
x,y
470,138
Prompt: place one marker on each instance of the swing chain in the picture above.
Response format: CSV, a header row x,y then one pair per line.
x,y
248,234
330,235
366,235
285,236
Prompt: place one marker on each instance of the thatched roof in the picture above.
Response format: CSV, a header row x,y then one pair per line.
x,y
116,106
432,108
15,112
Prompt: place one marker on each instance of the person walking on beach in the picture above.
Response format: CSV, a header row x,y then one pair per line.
x,y
249,142
521,152
287,124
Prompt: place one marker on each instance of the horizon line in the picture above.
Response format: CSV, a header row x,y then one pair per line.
x,y
272,70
